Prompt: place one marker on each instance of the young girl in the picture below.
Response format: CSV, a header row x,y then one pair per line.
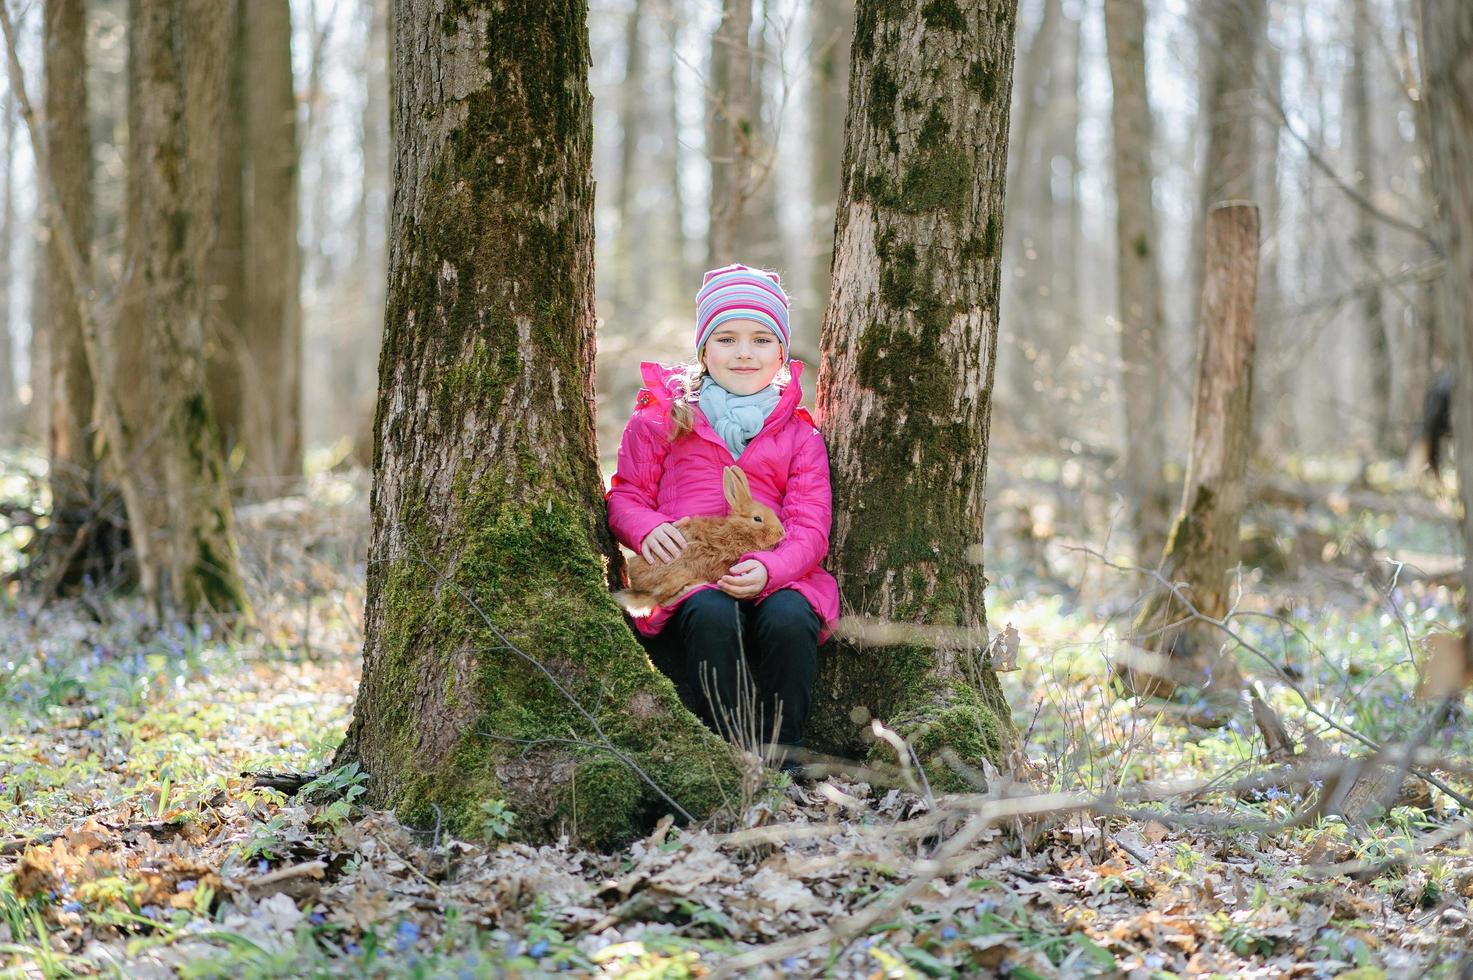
x,y
765,618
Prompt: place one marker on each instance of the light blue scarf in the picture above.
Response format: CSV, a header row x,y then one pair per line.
x,y
736,418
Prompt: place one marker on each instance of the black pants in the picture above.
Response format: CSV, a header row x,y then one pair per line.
x,y
701,649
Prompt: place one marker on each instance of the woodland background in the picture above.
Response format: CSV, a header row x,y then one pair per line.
x,y
158,811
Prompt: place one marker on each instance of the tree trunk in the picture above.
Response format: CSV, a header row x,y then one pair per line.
x,y
671,14
915,296
1203,546
10,413
728,129
358,343
227,356
76,488
760,237
177,58
273,335
1030,205
832,24
1138,277
1447,72
1229,35
495,662
1373,323
631,261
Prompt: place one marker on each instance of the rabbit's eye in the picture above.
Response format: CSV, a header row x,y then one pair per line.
x,y
757,519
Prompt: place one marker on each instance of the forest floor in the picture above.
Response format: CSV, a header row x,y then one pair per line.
x,y
132,845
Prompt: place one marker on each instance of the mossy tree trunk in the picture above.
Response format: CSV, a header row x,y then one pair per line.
x,y
175,47
1447,78
905,385
1138,279
1203,546
490,630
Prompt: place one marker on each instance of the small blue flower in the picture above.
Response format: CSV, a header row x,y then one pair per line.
x,y
263,865
949,933
538,949
317,918
405,935
187,885
352,949
791,964
72,907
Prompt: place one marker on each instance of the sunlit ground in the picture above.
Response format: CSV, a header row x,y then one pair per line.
x,y
130,746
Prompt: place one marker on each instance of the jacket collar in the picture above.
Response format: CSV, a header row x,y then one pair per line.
x,y
657,378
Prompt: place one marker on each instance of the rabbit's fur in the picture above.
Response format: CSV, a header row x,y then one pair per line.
x,y
713,544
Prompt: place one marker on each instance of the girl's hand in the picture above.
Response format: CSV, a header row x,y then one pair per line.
x,y
745,579
664,542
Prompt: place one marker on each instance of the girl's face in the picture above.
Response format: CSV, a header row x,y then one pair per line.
x,y
743,356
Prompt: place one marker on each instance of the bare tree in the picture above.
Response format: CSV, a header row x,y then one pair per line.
x,y
1363,138
1230,33
831,23
77,489
9,404
1447,72
172,187
1138,278
1203,546
905,389
273,334
729,129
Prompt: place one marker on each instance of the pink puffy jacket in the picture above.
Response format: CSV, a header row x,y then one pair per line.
x,y
787,465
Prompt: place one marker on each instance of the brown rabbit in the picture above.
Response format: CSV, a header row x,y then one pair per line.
x,y
713,544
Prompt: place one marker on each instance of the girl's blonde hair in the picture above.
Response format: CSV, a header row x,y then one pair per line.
x,y
686,383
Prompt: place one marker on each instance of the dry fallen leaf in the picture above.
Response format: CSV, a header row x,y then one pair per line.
x,y
1004,650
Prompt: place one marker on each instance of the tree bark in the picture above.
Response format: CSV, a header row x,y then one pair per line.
x,y
1138,279
915,296
10,413
1447,71
496,664
273,335
631,269
77,490
1203,546
832,24
728,128
1378,349
1229,36
671,18
227,355
174,45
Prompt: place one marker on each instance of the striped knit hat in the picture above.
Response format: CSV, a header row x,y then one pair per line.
x,y
739,292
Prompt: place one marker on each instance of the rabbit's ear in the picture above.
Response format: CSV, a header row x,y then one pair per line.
x,y
738,492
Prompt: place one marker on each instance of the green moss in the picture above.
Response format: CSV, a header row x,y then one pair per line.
x,y
992,236
880,108
973,722
527,564
983,79
937,178
943,15
934,130
1141,246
